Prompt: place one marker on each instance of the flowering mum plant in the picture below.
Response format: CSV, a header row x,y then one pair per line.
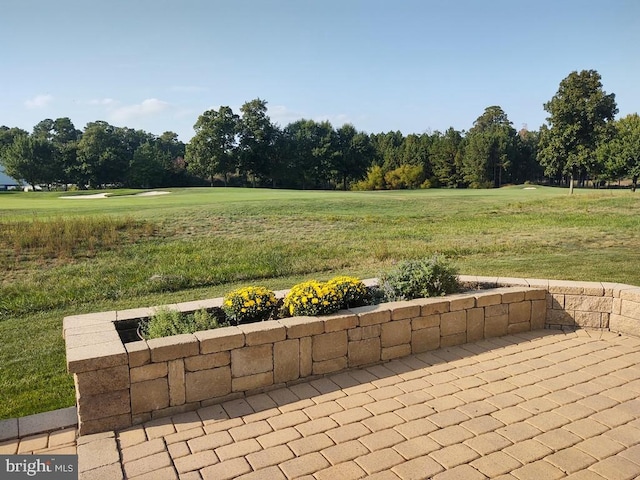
x,y
312,298
249,304
351,290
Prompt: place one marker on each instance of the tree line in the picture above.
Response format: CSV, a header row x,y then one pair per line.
x,y
581,142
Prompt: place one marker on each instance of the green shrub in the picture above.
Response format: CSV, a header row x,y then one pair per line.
x,y
166,321
249,304
429,277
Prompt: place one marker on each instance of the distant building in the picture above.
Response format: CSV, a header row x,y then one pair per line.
x,y
8,183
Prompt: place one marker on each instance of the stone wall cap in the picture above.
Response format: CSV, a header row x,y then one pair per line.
x,y
98,318
576,287
181,339
511,282
263,332
95,357
196,305
218,333
381,307
134,313
94,338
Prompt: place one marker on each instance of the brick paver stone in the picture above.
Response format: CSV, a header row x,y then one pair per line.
x,y
288,419
483,424
348,432
195,462
538,470
312,443
97,453
600,447
450,435
131,436
495,464
226,470
270,456
62,437
454,455
159,428
528,451
462,472
142,449
382,422
418,468
304,465
518,432
33,443
586,428
571,460
627,435
147,464
344,452
616,467
178,449
278,437
379,460
343,471
184,435
316,426
448,418
558,439
381,439
10,447
210,442
112,471
250,430
238,449
351,415
416,447
270,473
166,473
416,428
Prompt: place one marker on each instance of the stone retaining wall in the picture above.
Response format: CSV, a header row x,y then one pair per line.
x,y
118,385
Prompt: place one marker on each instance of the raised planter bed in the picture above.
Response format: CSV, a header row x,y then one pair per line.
x,y
121,382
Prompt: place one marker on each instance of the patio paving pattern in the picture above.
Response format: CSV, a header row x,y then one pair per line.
x,y
538,405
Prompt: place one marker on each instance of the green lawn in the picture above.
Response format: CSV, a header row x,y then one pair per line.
x,y
62,257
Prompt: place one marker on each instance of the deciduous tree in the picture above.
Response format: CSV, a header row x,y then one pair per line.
x,y
213,149
580,115
621,155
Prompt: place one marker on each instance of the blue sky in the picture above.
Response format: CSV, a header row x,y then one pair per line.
x,y
408,65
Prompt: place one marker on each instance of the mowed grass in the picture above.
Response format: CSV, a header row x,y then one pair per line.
x,y
61,257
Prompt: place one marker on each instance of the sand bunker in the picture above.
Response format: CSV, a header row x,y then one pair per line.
x,y
81,197
150,194
106,195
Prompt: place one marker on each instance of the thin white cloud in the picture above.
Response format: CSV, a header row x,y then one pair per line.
x,y
283,116
188,89
108,102
39,101
150,106
335,120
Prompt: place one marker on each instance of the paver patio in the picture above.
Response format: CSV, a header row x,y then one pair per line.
x,y
538,405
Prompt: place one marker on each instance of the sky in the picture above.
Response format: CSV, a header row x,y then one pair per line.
x,y
382,65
